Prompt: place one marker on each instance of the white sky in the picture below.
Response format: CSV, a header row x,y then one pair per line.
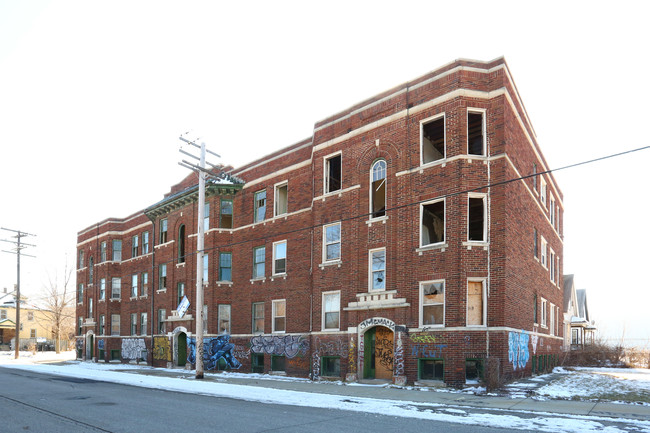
x,y
93,96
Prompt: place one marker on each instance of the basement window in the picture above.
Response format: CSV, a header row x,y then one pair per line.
x,y
333,174
476,219
257,363
277,363
432,143
432,222
430,369
476,133
473,370
330,366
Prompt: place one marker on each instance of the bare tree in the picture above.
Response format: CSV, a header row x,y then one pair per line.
x,y
58,302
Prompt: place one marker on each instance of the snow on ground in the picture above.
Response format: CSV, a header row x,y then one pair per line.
x,y
49,362
611,384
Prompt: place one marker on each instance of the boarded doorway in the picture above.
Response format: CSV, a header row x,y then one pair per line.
x,y
378,353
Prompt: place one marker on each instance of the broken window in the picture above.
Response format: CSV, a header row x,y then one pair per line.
x,y
378,269
260,206
281,199
432,295
475,303
226,214
473,370
476,219
475,133
432,223
333,174
430,369
163,231
224,319
378,189
433,140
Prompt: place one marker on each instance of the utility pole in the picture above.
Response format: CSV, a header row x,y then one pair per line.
x,y
203,173
18,247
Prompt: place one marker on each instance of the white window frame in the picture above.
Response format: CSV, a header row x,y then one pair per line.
x,y
274,315
542,190
544,252
551,208
483,197
256,207
254,317
276,202
551,265
444,231
143,323
102,289
483,112
483,282
255,274
134,285
544,313
220,315
324,311
275,244
114,287
421,303
371,271
444,126
552,319
206,217
325,243
326,180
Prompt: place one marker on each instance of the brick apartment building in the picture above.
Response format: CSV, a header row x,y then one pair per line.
x,y
373,249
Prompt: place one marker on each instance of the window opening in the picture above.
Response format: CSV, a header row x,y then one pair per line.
x,y
181,244
259,255
433,303
332,242
476,219
430,369
281,199
475,303
224,319
331,308
378,189
333,174
378,269
475,134
330,366
279,316
280,257
225,266
260,206
258,317
163,231
433,140
433,223
226,214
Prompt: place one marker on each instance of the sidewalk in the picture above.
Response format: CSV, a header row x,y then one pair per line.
x,y
424,395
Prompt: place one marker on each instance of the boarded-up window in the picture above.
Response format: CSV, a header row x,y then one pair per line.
x,y
475,303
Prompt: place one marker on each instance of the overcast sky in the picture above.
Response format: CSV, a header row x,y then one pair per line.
x,y
93,97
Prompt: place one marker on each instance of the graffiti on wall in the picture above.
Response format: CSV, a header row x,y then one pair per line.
x,y
399,356
427,350
384,348
162,349
533,341
241,352
376,321
80,343
326,348
214,349
352,367
287,345
518,349
100,344
134,348
315,366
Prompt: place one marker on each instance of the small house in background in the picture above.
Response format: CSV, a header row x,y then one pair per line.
x,y
579,329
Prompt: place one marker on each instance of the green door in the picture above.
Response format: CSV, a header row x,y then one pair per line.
x,y
91,345
369,354
182,349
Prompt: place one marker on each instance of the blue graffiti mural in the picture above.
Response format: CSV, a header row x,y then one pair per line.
x,y
100,344
214,349
426,351
518,353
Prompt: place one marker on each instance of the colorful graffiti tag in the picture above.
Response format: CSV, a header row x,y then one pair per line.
x,y
161,349
288,345
399,356
214,349
80,343
100,344
518,353
134,348
427,351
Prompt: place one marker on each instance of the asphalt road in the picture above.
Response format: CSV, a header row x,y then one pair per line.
x,y
31,402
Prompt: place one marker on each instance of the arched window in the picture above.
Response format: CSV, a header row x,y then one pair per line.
x,y
181,244
378,189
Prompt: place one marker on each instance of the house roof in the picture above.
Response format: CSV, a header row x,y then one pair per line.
x,y
568,287
583,311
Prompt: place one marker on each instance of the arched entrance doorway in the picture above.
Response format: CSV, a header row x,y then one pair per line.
x,y
180,347
376,348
